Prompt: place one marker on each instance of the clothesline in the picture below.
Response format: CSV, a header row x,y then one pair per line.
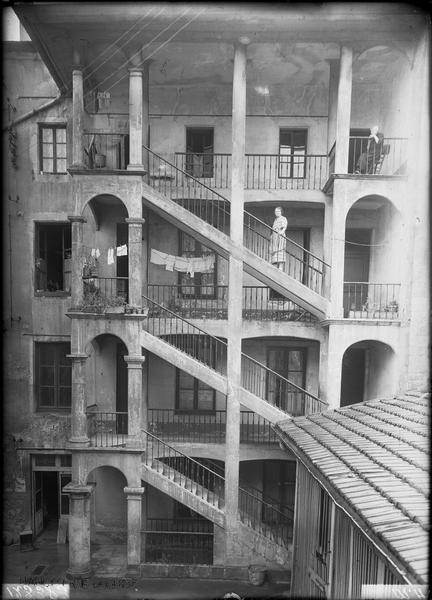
x,y
183,264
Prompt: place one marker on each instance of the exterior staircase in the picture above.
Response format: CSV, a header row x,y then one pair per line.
x,y
203,356
202,489
203,213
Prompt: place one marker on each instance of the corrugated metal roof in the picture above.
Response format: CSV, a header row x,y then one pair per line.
x,y
375,457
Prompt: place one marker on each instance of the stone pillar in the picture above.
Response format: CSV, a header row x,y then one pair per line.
x,y
77,118
232,442
135,260
79,530
146,102
327,246
77,286
135,119
134,511
337,241
332,103
135,399
333,375
78,414
343,115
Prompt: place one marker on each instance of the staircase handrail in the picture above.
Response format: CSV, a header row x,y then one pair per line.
x,y
182,454
299,388
229,202
200,183
176,316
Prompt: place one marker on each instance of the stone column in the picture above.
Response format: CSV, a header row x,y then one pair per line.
x,y
146,111
77,287
343,114
337,242
135,260
332,102
333,376
135,399
327,245
135,119
79,530
77,118
232,442
134,511
78,415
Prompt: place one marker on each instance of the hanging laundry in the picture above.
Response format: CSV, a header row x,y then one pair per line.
x,y
97,253
110,259
183,264
93,252
157,257
122,250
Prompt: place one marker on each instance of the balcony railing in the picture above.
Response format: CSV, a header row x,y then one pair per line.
x,y
109,151
277,390
259,303
371,300
173,425
103,293
178,541
262,171
387,159
107,429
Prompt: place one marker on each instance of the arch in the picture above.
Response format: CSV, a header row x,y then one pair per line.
x,y
94,343
370,202
101,201
386,53
368,371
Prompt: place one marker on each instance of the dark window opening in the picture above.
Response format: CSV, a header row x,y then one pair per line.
x,y
52,148
290,363
201,285
53,375
53,268
292,153
199,151
193,395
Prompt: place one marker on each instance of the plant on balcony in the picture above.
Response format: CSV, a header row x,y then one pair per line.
x,y
91,266
96,302
132,309
392,306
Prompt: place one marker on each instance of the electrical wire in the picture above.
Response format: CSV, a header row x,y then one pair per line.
x,y
365,245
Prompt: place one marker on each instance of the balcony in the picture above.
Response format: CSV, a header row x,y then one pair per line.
x,y
262,171
106,151
371,300
177,426
104,294
107,429
194,302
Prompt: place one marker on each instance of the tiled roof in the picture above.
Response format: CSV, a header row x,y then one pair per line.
x,y
375,457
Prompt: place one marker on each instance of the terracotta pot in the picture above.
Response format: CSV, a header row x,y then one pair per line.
x,y
257,574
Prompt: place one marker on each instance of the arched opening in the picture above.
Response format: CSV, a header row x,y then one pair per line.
x,y
368,372
108,516
105,248
373,233
107,391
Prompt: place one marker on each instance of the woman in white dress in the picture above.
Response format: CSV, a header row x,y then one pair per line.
x,y
278,240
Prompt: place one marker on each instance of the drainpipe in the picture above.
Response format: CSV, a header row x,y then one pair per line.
x,y
35,111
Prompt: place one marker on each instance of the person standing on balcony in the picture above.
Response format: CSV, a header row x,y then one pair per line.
x,y
278,240
369,159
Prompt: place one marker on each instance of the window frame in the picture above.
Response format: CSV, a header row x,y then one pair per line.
x,y
195,410
199,251
207,167
37,233
57,385
282,163
54,127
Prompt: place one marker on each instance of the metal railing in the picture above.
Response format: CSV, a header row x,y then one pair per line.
x,y
214,209
186,190
388,158
282,172
299,263
260,303
265,518
106,150
277,390
213,170
184,336
364,300
104,292
203,427
187,472
178,541
107,429
211,351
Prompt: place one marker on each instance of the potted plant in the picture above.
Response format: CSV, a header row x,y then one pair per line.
x,y
392,307
115,305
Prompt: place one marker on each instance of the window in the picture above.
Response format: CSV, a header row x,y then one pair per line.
x,y
193,395
53,375
52,148
201,285
53,257
199,151
292,153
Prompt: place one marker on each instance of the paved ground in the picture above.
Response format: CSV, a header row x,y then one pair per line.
x,y
48,562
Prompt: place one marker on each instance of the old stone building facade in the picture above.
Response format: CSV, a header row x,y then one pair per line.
x,y
155,325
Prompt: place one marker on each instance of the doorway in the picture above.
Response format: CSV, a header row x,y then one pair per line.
x,y
49,502
353,376
356,268
291,364
199,151
121,389
357,144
